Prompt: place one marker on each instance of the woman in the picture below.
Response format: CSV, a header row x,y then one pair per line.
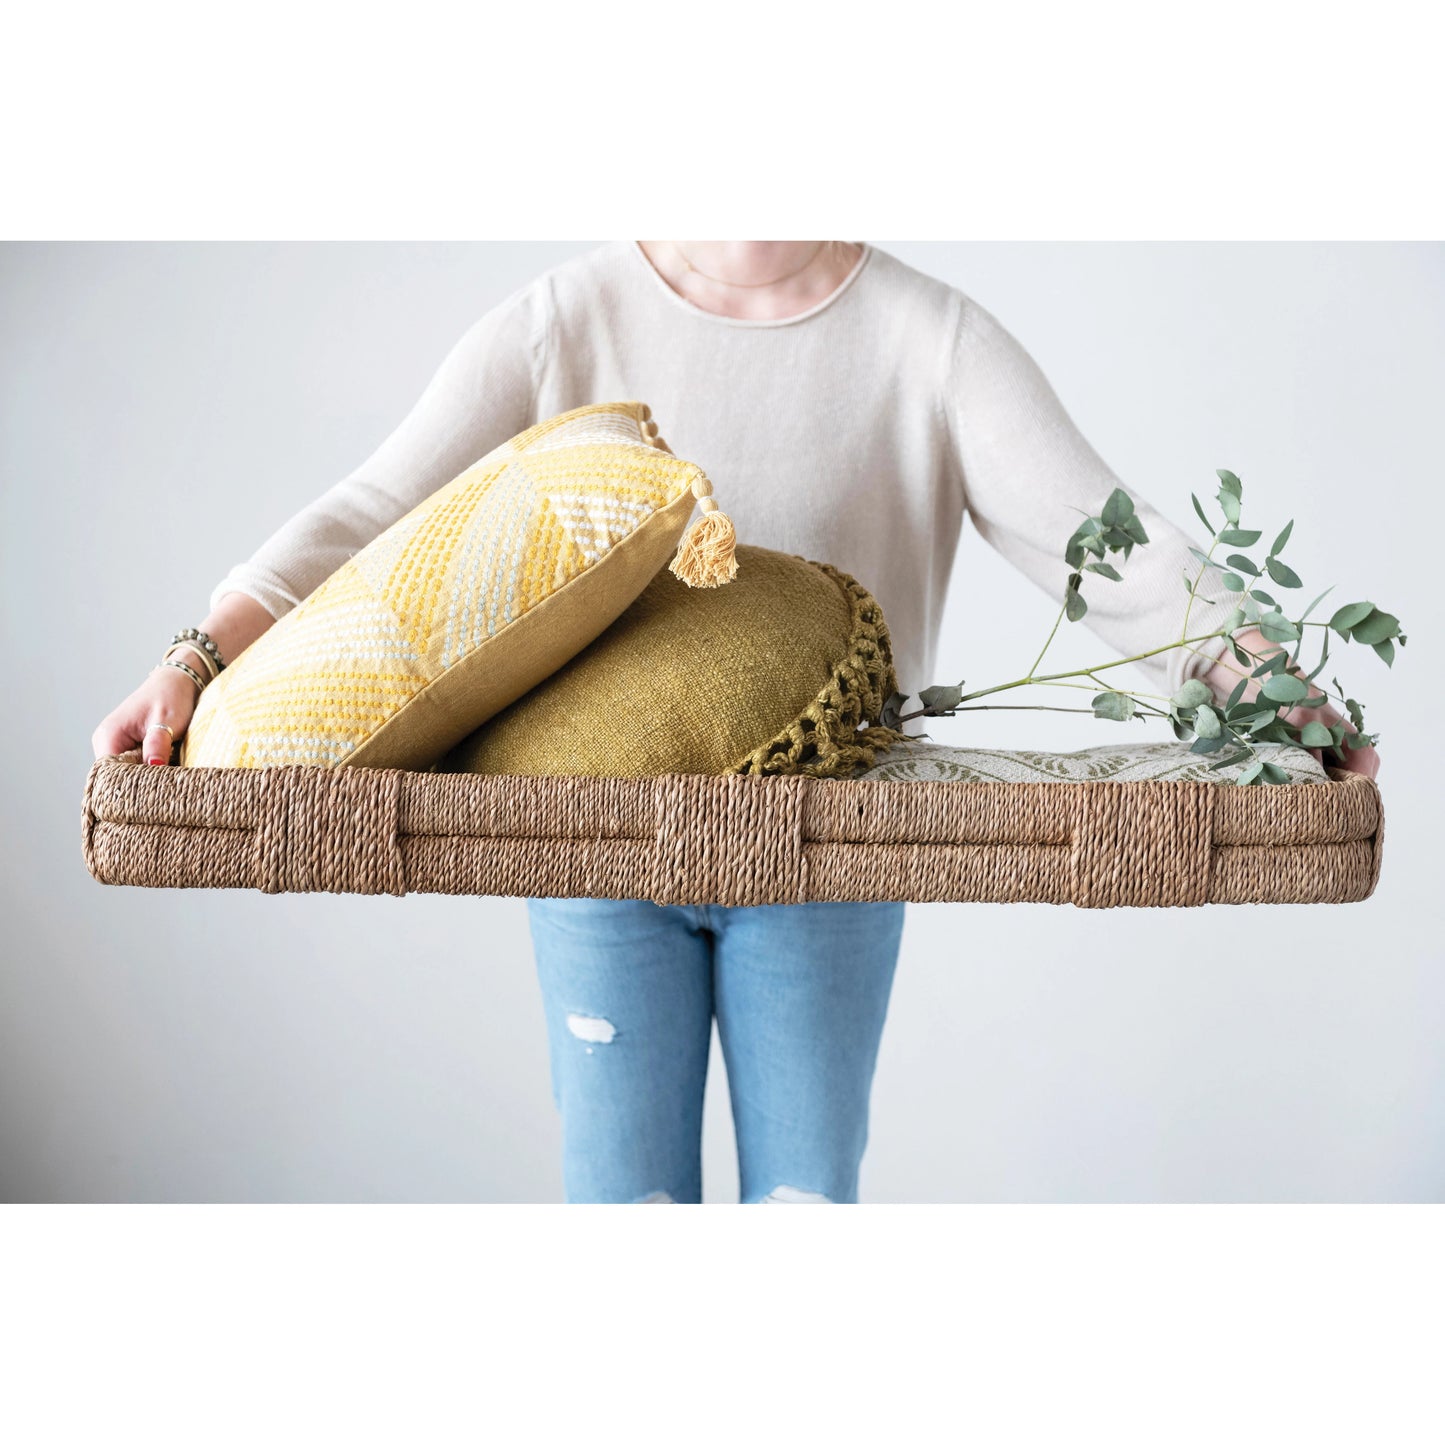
x,y
852,409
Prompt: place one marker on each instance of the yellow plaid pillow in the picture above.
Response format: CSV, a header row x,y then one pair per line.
x,y
468,601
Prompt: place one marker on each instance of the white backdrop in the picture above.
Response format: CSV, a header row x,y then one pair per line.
x,y
164,407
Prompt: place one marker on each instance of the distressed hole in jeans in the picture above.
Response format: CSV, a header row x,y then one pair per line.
x,y
590,1030
658,1196
788,1194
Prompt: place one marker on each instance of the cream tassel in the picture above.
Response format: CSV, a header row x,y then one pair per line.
x,y
705,555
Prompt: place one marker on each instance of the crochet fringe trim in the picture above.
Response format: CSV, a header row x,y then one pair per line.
x,y
826,739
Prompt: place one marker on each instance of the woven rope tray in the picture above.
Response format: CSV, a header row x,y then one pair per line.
x,y
733,839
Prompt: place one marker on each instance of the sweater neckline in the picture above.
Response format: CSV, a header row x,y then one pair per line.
x,y
865,253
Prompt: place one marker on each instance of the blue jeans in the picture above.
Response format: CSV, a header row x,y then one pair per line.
x,y
631,988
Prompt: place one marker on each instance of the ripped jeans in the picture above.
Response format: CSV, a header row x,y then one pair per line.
x,y
631,988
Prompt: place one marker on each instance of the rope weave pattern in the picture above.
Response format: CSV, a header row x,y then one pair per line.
x,y
735,839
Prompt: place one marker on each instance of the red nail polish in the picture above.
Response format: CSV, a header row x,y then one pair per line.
x,y
158,762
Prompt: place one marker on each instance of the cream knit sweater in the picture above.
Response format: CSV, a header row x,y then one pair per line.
x,y
858,433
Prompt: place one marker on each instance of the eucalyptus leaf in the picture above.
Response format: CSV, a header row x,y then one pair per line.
x,y
1262,596
1192,694
1278,628
1228,497
1235,537
892,709
1285,576
1386,650
1276,732
1273,773
1199,512
1250,773
941,699
1115,706
1233,621
1233,582
1241,563
1257,722
1119,506
1282,539
1135,528
1375,628
1316,603
1229,761
1207,723
1285,687
1349,614
1237,694
1316,735
1074,605
1203,744
1104,570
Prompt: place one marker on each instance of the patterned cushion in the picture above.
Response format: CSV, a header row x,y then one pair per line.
x,y
929,762
460,607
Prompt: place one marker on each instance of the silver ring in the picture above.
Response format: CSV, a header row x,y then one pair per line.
x,y
154,726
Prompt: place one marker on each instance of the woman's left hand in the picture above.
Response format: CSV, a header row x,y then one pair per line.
x,y
1225,675
1352,760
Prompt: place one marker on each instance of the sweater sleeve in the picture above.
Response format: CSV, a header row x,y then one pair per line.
x,y
1026,468
483,393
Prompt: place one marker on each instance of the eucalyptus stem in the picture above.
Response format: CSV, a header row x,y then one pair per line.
x,y
997,707
1189,606
1048,641
1089,671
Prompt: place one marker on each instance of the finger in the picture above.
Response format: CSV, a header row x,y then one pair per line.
x,y
158,739
1365,761
112,738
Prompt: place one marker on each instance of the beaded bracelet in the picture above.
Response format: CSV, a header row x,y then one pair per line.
x,y
194,634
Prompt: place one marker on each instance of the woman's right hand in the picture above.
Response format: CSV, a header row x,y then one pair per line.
x,y
168,696
166,699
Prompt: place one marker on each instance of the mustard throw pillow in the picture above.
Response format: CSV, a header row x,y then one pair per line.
x,y
772,674
468,601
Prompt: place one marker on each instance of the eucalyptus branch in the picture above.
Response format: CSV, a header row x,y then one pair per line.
x,y
1209,724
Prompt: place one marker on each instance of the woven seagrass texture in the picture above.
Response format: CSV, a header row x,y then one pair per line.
x,y
734,839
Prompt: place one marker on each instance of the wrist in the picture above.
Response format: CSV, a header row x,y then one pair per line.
x,y
183,674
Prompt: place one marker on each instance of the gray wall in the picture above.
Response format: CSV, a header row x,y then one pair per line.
x,y
166,406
